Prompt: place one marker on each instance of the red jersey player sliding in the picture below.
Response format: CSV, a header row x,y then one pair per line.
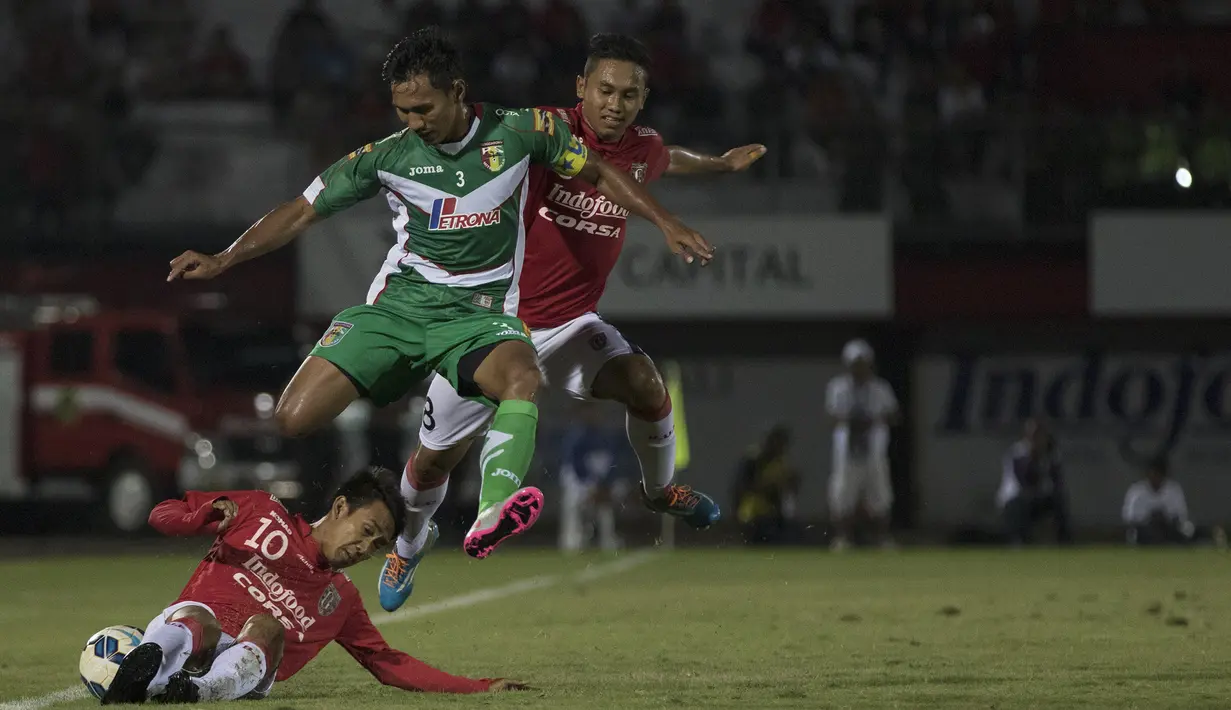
x,y
572,246
269,596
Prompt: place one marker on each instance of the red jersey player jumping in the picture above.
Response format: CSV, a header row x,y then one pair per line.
x,y
571,249
269,596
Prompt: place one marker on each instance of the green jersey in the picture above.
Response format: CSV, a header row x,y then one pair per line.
x,y
461,212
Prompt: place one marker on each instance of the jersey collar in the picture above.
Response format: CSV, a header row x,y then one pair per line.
x,y
456,147
305,530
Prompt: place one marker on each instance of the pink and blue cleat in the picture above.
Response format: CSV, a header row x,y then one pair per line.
x,y
503,520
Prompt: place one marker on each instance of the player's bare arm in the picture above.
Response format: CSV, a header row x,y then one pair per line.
x,y
623,190
273,231
685,161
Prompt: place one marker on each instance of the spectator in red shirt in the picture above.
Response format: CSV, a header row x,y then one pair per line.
x,y
269,596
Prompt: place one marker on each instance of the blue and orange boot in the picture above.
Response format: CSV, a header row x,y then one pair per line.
x,y
693,507
397,578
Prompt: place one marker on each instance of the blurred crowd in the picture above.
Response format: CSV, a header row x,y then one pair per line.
x,y
929,96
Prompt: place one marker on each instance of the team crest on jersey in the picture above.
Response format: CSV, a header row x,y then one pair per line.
x,y
330,599
493,155
638,171
544,122
336,332
355,154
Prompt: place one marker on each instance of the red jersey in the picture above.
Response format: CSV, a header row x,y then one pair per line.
x,y
267,562
576,236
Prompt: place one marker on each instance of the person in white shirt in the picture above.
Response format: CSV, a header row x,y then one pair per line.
x,y
1155,511
862,407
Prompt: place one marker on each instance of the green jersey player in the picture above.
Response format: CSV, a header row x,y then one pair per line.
x,y
446,298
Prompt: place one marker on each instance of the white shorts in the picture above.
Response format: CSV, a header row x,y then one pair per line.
x,y
571,356
861,480
225,641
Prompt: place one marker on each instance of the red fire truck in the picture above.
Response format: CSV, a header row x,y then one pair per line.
x,y
126,406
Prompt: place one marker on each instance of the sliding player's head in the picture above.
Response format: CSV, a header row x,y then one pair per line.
x,y
366,514
424,72
614,84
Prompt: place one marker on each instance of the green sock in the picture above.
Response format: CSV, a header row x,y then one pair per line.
x,y
507,450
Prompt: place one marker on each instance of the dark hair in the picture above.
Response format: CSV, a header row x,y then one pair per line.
x,y
1159,464
608,45
375,484
426,51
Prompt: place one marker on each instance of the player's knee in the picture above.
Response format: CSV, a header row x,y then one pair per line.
x,y
318,393
644,393
200,617
290,420
522,381
429,468
294,418
263,630
510,372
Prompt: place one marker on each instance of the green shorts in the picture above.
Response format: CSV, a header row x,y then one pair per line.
x,y
386,353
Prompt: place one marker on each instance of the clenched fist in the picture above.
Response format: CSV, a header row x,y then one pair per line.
x,y
195,265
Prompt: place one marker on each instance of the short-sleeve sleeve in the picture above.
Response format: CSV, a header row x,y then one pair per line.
x,y
347,182
658,157
549,141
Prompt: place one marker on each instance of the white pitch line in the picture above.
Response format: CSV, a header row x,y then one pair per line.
x,y
76,692
479,596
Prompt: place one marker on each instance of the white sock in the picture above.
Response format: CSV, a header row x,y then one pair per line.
x,y
175,640
654,444
572,513
236,672
604,523
421,505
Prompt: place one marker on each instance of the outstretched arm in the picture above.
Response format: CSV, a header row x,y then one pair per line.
x,y
195,514
345,183
273,231
689,162
390,666
619,187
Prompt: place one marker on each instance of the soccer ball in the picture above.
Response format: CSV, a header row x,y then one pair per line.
x,y
102,655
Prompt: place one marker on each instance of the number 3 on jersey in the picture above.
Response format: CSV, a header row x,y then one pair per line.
x,y
273,545
461,179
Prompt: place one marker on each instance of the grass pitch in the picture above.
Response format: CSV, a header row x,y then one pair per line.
x,y
746,628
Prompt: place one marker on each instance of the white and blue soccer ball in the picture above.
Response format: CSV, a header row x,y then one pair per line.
x,y
102,655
